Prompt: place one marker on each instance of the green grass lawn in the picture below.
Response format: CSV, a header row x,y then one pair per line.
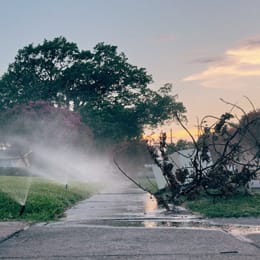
x,y
236,206
45,200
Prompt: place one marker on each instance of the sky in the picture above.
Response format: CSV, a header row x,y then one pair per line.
x,y
208,50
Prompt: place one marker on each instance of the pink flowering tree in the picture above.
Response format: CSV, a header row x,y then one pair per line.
x,y
42,123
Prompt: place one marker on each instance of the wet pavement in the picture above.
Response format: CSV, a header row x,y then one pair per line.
x,y
123,222
128,207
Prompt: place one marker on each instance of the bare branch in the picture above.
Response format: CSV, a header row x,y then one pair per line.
x,y
131,179
251,103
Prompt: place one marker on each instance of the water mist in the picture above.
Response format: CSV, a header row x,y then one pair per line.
x,y
60,154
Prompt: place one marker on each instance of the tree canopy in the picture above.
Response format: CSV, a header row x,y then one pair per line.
x,y
112,95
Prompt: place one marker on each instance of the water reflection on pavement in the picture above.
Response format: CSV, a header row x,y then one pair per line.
x,y
127,206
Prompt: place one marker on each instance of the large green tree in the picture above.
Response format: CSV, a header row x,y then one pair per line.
x,y
112,95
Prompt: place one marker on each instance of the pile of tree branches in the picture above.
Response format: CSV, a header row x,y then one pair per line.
x,y
224,159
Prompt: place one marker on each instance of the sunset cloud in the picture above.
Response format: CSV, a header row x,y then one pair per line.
x,y
237,63
246,55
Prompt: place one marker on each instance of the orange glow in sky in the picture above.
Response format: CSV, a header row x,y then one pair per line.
x,y
173,135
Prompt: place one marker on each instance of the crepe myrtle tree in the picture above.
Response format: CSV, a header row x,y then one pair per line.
x,y
39,122
224,158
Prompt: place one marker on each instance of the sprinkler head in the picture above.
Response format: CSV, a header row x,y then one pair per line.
x,y
22,210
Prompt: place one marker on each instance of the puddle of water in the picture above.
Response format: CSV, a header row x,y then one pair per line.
x,y
148,223
239,232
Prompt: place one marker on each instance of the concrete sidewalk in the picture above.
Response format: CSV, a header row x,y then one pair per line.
x,y
83,242
9,229
74,240
249,225
113,225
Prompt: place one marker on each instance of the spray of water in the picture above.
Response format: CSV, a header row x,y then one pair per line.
x,y
58,154
65,165
17,190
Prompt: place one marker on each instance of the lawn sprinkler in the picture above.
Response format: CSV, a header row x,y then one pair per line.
x,y
22,210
